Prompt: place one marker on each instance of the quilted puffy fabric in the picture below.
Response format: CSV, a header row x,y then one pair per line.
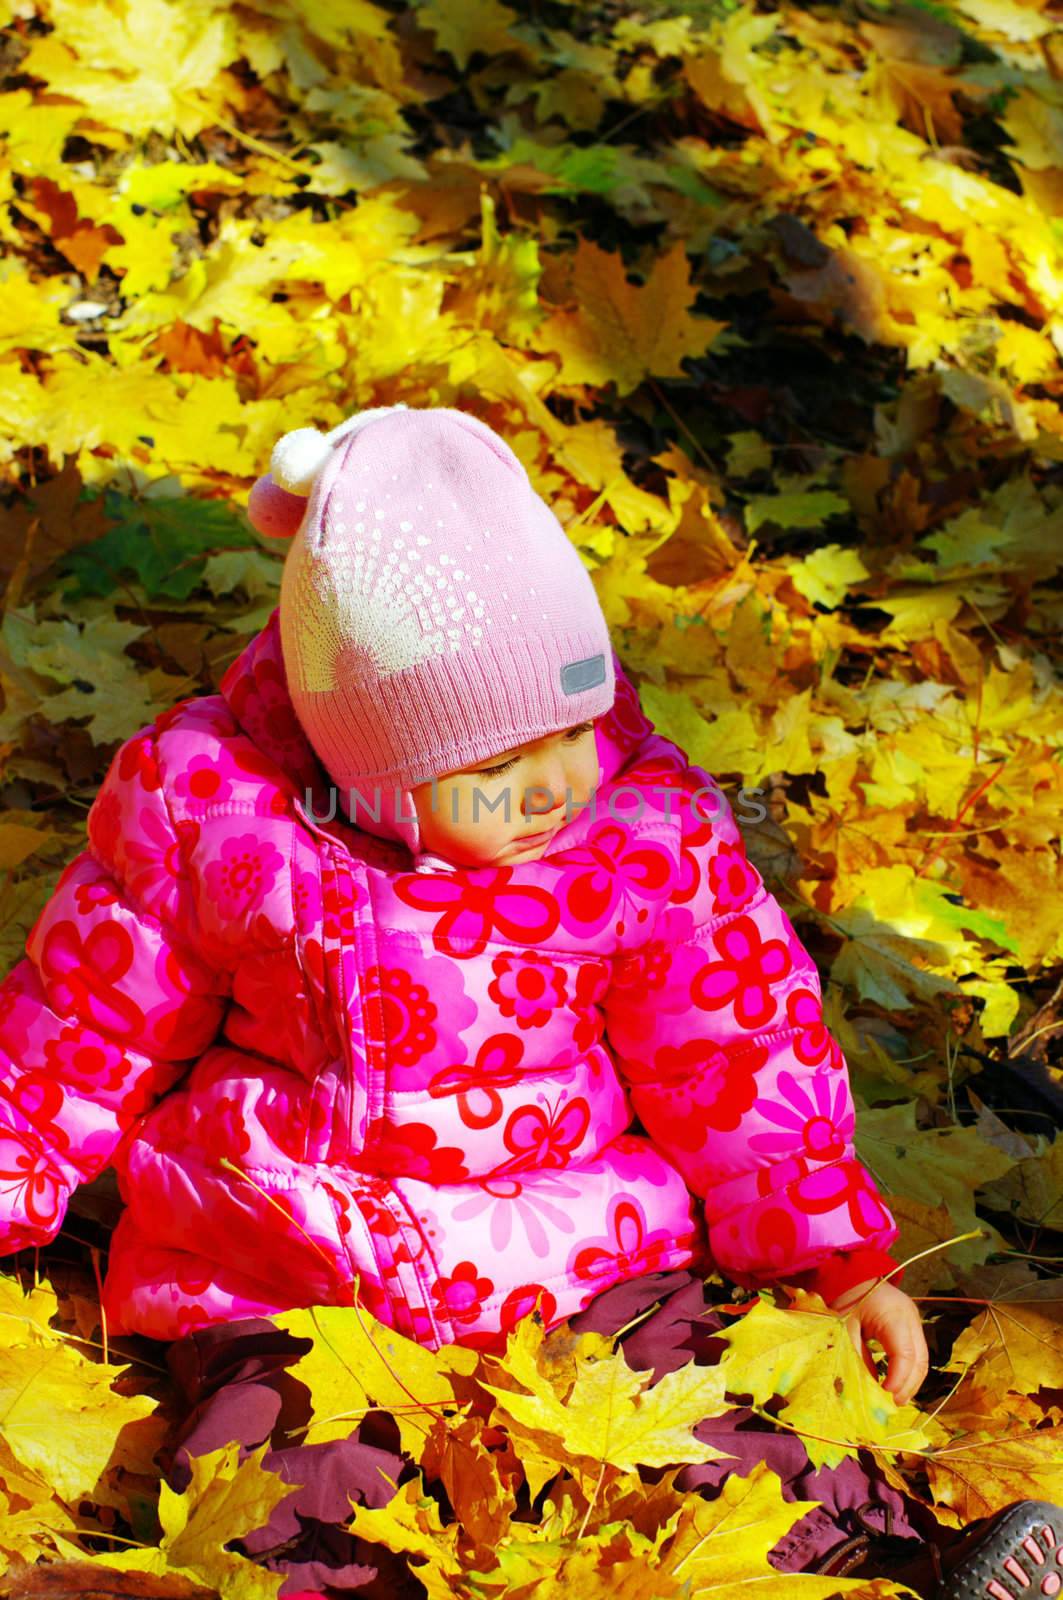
x,y
318,1062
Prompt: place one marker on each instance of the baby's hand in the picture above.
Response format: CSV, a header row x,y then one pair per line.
x,y
884,1312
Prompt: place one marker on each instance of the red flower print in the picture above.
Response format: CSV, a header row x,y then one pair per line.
x,y
241,879
407,1012
476,1085
341,899
81,976
539,1140
830,1188
592,982
591,987
697,1087
661,775
744,976
460,1296
29,1180
625,723
39,1099
19,1006
104,824
627,1251
306,898
137,758
732,879
202,782
408,1150
529,988
612,879
191,1317
416,1022
94,896
678,791
479,904
269,987
292,1114
223,1131
383,1226
645,970
256,688
342,1205
779,1236
705,812
521,1302
152,859
814,1041
173,713
87,1057
818,1113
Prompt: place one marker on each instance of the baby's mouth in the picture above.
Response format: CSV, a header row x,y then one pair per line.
x,y
537,838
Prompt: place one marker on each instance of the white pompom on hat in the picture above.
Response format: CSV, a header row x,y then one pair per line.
x,y
278,499
298,456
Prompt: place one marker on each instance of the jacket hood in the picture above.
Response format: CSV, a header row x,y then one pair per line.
x,y
255,688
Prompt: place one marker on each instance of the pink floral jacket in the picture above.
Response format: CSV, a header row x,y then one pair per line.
x,y
317,1062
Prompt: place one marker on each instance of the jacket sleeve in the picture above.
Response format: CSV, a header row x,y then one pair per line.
x,y
716,1026
109,1005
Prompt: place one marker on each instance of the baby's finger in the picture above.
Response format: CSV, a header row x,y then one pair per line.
x,y
900,1375
907,1369
856,1334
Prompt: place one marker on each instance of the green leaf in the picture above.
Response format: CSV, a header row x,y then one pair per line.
x,y
162,542
805,508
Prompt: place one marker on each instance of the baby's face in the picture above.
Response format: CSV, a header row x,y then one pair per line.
x,y
486,815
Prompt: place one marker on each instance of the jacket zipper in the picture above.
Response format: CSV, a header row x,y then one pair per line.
x,y
339,858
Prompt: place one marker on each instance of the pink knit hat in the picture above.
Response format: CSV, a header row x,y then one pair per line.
x,y
433,611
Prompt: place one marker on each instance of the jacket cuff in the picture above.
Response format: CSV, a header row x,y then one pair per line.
x,y
845,1270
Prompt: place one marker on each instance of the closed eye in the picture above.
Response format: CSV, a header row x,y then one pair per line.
x,y
571,734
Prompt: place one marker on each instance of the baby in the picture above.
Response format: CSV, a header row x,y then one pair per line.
x,y
414,964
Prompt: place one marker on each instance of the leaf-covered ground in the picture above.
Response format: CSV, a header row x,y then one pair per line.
x,y
770,304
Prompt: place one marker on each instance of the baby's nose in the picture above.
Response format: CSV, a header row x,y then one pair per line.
x,y
546,793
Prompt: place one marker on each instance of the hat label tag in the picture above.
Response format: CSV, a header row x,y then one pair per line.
x,y
584,674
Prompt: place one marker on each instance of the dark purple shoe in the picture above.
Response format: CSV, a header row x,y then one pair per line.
x,y
1018,1553
1015,1555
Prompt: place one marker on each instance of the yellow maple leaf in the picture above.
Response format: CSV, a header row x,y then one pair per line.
x,y
225,1498
59,1414
825,575
35,131
457,1455
500,288
135,67
615,1562
33,1520
728,76
620,332
357,1363
1023,889
462,30
720,1547
606,1413
410,1523
880,964
1016,1342
989,1449
807,1355
29,311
